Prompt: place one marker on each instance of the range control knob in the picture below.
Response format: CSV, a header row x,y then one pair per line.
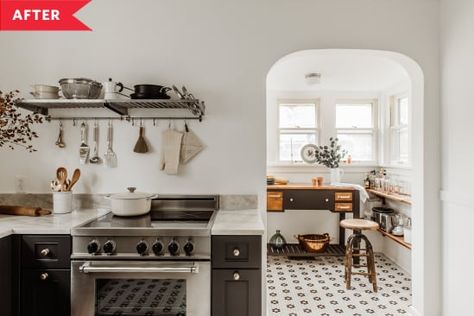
x,y
142,248
109,247
157,247
93,247
188,247
173,247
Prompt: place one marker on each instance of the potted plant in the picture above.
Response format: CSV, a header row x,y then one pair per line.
x,y
326,155
15,127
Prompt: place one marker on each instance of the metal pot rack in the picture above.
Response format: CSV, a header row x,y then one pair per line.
x,y
120,107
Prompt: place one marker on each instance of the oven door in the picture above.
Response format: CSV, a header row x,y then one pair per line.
x,y
136,288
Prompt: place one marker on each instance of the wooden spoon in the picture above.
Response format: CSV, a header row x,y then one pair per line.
x,y
75,177
61,174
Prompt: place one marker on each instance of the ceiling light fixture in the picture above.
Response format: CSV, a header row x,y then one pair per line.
x,y
313,78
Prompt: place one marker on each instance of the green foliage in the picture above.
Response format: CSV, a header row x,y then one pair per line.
x,y
330,156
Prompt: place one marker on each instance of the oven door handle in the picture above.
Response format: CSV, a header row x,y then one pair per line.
x,y
88,268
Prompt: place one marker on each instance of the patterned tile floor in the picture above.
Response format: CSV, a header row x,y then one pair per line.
x,y
316,287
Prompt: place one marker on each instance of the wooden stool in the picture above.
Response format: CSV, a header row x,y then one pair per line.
x,y
353,249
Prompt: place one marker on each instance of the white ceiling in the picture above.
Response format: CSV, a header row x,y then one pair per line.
x,y
340,72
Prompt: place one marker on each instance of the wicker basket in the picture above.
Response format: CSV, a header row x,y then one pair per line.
x,y
314,242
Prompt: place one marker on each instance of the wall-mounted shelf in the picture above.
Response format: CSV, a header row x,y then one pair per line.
x,y
406,199
397,239
120,107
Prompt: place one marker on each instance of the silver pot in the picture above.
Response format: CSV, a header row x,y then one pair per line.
x,y
130,203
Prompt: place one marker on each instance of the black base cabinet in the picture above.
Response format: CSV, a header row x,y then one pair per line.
x,y
236,276
45,275
45,292
6,286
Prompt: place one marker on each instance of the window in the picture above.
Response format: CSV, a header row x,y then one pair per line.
x,y
355,126
298,126
399,130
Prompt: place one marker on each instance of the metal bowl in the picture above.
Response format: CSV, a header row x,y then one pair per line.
x,y
80,88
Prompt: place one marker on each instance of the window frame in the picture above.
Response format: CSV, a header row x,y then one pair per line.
x,y
304,130
363,130
394,159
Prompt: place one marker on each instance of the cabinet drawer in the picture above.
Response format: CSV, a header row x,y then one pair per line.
x,y
343,196
274,201
236,251
46,251
343,207
308,200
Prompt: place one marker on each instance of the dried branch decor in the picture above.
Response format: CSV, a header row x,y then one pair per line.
x,y
330,156
15,127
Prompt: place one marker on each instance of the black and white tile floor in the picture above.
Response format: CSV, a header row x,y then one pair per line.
x,y
316,287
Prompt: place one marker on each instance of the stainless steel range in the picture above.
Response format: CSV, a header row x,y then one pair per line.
x,y
155,264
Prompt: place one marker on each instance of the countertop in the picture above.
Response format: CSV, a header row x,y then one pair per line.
x,y
308,186
50,224
238,222
227,222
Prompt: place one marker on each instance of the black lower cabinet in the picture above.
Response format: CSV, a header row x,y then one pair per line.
x,y
45,292
236,276
45,275
236,292
6,286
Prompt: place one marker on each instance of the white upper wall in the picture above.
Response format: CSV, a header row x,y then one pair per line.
x,y
457,51
222,51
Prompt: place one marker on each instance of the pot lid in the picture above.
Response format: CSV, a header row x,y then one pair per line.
x,y
131,195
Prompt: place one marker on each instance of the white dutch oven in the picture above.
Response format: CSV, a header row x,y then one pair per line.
x,y
130,203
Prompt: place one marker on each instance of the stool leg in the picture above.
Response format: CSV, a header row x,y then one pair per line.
x,y
371,263
348,261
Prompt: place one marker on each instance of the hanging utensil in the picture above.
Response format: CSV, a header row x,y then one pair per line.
x,y
141,147
83,148
60,142
110,157
75,177
95,159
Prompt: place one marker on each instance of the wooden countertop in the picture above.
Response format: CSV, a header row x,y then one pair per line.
x,y
304,186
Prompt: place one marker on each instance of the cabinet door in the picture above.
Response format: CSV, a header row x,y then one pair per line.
x,y
236,292
5,276
45,292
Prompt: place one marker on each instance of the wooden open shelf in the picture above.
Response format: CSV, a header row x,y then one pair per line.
x,y
392,196
397,239
295,251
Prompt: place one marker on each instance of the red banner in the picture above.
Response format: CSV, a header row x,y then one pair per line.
x,y
41,15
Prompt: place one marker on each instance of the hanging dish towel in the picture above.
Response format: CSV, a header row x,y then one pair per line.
x,y
170,151
190,146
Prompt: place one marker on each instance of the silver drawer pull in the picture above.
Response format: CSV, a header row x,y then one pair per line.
x,y
326,200
44,276
45,252
236,252
292,199
88,268
236,276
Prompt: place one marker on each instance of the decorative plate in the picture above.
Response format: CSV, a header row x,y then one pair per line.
x,y
308,153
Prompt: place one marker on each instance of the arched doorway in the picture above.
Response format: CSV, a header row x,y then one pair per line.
x,y
420,258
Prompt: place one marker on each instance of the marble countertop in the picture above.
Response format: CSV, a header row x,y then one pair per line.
x,y
50,224
227,222
238,222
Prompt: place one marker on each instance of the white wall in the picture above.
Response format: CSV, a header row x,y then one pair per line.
x,y
458,150
222,51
